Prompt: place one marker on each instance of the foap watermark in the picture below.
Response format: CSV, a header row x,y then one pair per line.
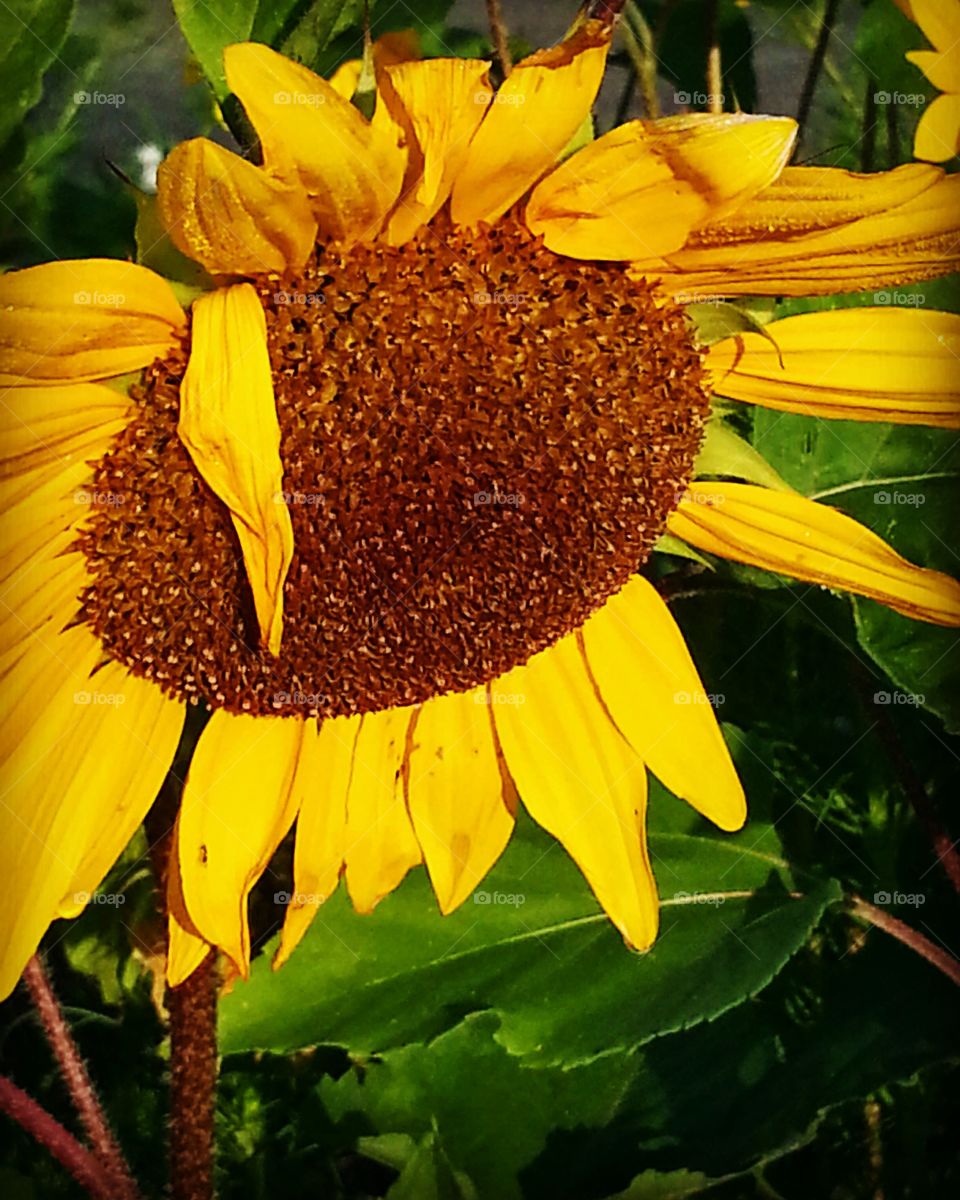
x,y
711,100
508,899
907,99
509,98
105,99
111,899
703,699
299,899
304,299
897,299
702,496
500,698
699,298
900,499
899,899
312,700
299,99
99,499
101,699
504,299
299,499
498,499
100,299
905,699
713,899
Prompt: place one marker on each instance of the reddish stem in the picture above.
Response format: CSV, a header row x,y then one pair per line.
x,y
78,1082
909,937
193,1078
85,1167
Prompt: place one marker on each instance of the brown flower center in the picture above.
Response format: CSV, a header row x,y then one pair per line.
x,y
481,442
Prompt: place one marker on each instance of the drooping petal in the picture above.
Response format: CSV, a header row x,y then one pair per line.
x,y
81,319
40,426
786,533
455,793
529,121
818,231
938,135
239,801
186,947
649,684
441,101
639,191
380,843
230,216
139,722
326,763
865,364
81,759
579,778
350,168
229,425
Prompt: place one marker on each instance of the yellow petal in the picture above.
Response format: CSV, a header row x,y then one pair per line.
x,y
77,754
825,232
82,319
228,423
326,761
455,793
186,947
943,70
43,425
865,364
138,734
786,533
638,191
40,597
529,121
939,20
239,801
580,780
380,843
350,168
650,686
37,508
230,216
441,101
938,134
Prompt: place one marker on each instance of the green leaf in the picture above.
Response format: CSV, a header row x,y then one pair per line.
x,y
31,34
532,934
209,28
724,453
901,482
429,1176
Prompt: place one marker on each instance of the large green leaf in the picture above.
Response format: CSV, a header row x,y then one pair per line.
x,y
531,937
709,1102
31,34
903,483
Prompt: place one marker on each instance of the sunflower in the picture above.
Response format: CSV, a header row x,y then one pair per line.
x,y
379,504
938,134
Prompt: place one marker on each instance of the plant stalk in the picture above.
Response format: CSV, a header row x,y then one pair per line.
x,y
79,1084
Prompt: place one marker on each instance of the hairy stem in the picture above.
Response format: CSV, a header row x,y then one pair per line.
x,y
498,33
89,1172
714,71
898,929
78,1082
193,1078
